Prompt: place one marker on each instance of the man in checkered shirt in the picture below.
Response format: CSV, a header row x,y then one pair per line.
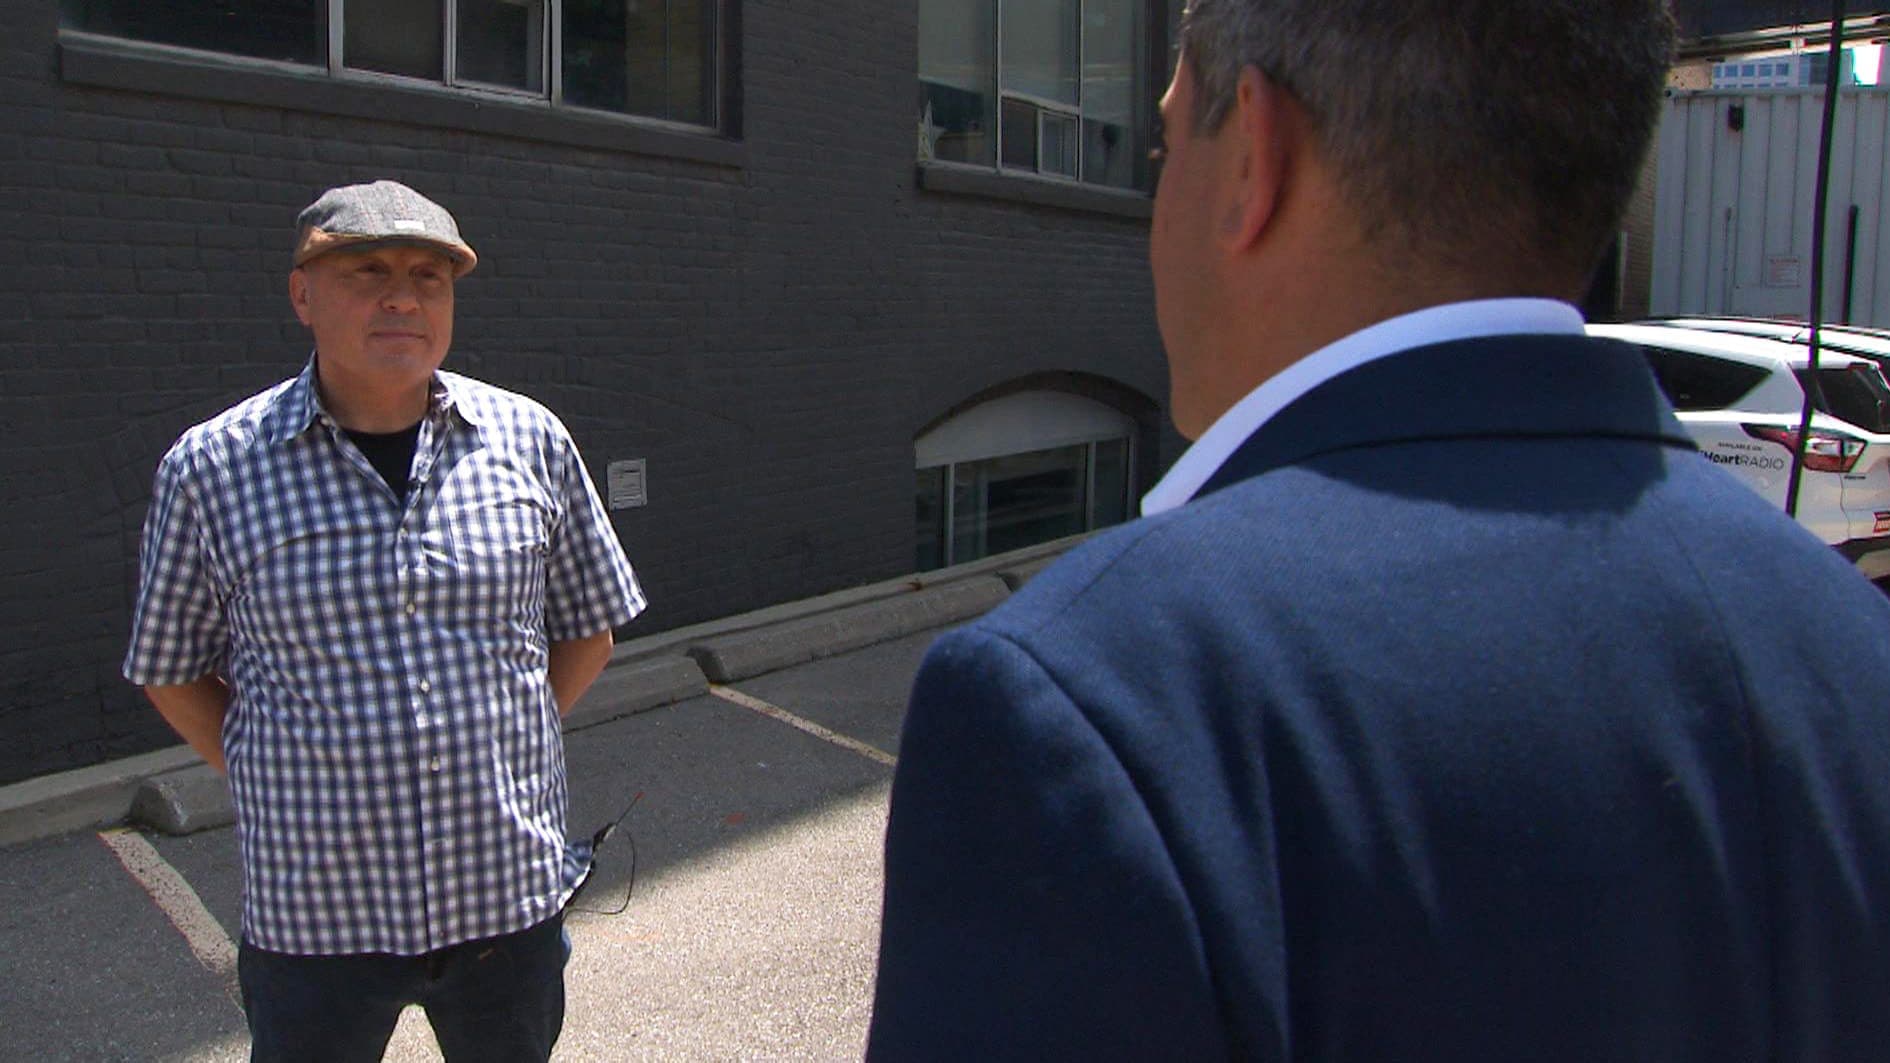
x,y
372,591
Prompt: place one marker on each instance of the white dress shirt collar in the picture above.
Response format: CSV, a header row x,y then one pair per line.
x,y
1422,328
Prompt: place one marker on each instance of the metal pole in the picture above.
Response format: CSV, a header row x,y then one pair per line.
x,y
1816,319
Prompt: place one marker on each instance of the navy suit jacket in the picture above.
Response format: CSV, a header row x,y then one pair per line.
x,y
1467,714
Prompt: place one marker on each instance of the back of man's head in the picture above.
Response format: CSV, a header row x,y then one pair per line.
x,y
1481,136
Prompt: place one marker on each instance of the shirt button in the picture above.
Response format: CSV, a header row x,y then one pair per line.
x,y
425,687
434,765
412,608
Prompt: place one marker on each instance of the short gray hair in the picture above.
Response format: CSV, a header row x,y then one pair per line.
x,y
1466,128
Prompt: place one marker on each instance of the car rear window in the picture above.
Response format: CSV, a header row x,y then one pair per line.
x,y
1856,394
1701,381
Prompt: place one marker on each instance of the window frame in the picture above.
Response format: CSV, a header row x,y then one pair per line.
x,y
1046,108
551,66
550,59
329,87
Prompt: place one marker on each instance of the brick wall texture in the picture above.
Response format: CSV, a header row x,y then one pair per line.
x,y
770,337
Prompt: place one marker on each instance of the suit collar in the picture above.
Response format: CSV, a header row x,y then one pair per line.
x,y
1508,386
1443,323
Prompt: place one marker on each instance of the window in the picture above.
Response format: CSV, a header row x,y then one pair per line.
x,y
287,30
1856,394
652,58
985,486
1059,88
1700,381
1175,10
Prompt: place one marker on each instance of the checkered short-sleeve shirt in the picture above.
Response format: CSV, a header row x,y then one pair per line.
x,y
393,743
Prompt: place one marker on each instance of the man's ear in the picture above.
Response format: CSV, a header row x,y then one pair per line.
x,y
1258,139
298,294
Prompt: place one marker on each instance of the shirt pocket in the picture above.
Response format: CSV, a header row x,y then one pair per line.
x,y
496,548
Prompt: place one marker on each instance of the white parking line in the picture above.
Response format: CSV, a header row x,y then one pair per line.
x,y
179,903
755,704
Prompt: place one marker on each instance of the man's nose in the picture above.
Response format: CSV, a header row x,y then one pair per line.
x,y
401,294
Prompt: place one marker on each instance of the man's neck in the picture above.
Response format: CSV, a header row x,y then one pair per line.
x,y
368,409
1326,299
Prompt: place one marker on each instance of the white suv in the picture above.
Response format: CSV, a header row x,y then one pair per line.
x,y
1741,397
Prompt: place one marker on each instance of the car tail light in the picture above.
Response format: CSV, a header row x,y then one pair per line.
x,y
1825,450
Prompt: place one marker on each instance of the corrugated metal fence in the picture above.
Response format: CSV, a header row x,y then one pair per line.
x,y
1733,212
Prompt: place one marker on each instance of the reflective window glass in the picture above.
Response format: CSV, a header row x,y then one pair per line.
x,y
647,57
987,483
1115,122
930,530
595,35
1056,144
1054,87
1109,504
1175,9
1856,394
1699,381
653,58
1039,49
1016,501
957,69
405,37
287,30
1020,134
502,42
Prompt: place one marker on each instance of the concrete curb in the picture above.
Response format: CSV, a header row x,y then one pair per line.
x,y
98,796
677,641
1021,574
640,686
172,790
751,653
184,802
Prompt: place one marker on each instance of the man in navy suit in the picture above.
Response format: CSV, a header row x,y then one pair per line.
x,y
1445,704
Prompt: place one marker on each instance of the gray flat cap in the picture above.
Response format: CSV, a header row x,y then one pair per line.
x,y
377,214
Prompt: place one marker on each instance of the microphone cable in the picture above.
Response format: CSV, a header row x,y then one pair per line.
x,y
604,834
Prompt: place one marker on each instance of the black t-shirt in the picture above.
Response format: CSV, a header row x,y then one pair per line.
x,y
391,454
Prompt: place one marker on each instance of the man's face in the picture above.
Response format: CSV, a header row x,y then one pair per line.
x,y
1181,243
382,318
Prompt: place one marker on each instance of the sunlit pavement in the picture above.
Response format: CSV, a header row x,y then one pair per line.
x,y
750,935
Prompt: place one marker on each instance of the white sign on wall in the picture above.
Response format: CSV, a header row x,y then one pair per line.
x,y
1784,271
627,487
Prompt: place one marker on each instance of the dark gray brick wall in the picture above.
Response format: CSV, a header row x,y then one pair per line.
x,y
769,336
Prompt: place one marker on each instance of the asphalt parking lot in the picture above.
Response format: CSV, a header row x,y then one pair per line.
x,y
750,935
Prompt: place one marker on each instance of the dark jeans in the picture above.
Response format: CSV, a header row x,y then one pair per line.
x,y
497,999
